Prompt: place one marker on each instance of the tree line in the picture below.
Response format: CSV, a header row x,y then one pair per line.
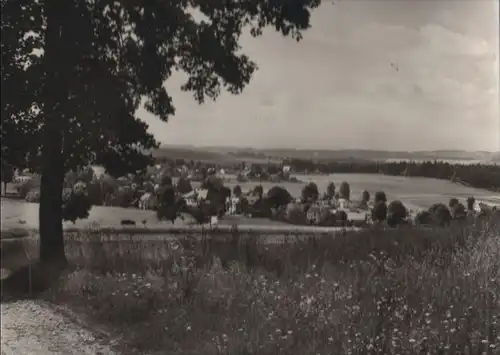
x,y
475,175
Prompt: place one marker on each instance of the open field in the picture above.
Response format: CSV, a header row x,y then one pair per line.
x,y
415,192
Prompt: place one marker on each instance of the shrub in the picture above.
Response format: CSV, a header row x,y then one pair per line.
x,y
340,218
345,190
279,214
379,212
295,214
365,196
458,211
396,213
310,192
423,218
237,191
327,218
440,214
278,196
76,204
330,190
380,197
166,208
258,191
470,203
184,185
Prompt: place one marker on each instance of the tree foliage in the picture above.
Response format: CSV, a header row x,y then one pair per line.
x,y
77,71
365,197
470,203
310,192
345,190
380,197
76,205
278,196
396,213
330,190
458,211
237,191
440,214
184,185
379,212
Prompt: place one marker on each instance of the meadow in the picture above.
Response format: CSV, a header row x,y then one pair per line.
x,y
401,291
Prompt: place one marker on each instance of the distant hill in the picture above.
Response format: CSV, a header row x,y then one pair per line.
x,y
239,154
211,155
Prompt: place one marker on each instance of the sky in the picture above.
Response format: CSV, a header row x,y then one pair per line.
x,y
369,74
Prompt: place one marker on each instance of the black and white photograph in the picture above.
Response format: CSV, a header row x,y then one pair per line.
x,y
250,177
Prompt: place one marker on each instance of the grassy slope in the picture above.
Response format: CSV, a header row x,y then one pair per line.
x,y
377,292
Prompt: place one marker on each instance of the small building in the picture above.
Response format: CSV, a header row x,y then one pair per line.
x,y
343,204
314,214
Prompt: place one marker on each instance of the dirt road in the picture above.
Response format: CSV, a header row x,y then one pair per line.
x,y
33,327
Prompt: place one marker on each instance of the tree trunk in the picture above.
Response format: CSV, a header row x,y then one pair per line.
x,y
55,94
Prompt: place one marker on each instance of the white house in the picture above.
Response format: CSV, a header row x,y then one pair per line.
x,y
343,204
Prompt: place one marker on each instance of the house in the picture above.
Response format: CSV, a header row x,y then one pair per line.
x,y
233,205
314,214
343,204
192,198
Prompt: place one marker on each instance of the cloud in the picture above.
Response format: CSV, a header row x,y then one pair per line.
x,y
337,89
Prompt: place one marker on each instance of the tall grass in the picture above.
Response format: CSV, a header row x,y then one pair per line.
x,y
401,291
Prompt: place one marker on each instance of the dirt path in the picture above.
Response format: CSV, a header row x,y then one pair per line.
x,y
33,327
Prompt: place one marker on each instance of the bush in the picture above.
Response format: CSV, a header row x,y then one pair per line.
x,y
237,191
76,204
278,196
396,213
345,190
330,190
470,203
440,214
379,212
279,214
295,214
365,196
340,218
423,218
327,218
380,197
184,185
310,193
458,211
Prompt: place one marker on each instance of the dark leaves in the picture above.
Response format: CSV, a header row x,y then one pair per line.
x,y
115,54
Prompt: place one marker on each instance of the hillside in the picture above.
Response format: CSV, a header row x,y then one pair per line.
x,y
222,155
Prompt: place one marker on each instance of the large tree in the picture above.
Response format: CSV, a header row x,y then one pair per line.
x,y
77,71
